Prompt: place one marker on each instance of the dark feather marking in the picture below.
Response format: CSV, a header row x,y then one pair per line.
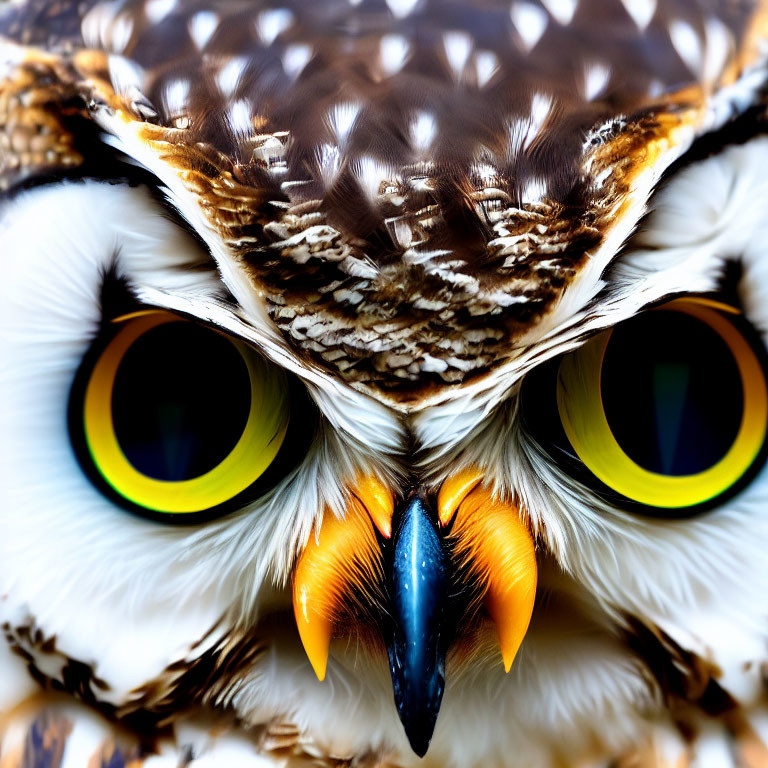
x,y
687,682
744,128
116,298
78,679
730,282
199,681
29,642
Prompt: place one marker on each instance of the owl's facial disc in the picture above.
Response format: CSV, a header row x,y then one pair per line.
x,y
429,566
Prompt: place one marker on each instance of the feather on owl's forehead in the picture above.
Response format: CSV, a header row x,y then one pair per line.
x,y
411,185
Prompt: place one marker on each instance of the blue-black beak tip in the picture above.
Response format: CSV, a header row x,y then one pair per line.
x,y
418,585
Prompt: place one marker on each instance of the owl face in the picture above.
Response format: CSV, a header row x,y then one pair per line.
x,y
383,382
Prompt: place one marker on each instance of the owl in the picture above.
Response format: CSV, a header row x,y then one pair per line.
x,y
384,383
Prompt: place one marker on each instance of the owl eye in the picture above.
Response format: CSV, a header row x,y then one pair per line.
x,y
172,418
667,411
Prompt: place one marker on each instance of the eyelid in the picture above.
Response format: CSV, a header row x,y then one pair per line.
x,y
704,301
133,315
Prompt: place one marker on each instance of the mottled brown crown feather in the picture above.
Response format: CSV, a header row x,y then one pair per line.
x,y
411,185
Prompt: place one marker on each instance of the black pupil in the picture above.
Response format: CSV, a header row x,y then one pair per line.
x,y
672,393
180,401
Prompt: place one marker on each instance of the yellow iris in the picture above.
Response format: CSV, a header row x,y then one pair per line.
x,y
255,450
582,413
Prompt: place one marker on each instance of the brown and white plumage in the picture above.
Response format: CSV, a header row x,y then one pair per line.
x,y
408,206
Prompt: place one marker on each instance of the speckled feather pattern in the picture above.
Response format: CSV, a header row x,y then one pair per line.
x,y
412,186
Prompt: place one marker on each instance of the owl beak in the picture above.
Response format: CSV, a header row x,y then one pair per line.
x,y
418,557
416,641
